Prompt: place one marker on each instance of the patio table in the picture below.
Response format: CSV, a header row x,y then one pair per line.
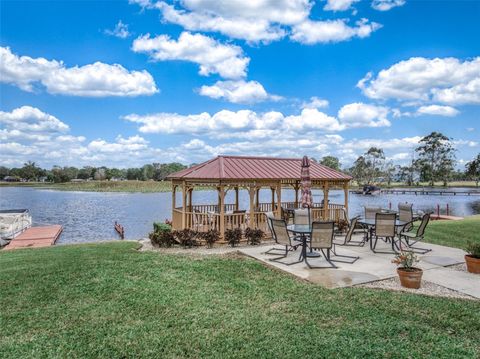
x,y
303,230
370,223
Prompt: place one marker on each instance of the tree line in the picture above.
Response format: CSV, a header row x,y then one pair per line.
x,y
31,172
434,161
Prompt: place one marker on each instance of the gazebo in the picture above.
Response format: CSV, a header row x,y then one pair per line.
x,y
225,173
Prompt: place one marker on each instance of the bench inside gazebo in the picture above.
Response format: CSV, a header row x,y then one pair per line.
x,y
232,173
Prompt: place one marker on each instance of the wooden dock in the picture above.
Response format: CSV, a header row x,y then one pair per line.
x,y
425,192
35,237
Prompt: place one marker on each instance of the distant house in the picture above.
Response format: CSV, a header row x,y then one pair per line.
x,y
76,180
11,179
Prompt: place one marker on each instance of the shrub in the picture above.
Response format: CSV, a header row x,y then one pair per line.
x,y
233,236
210,237
254,236
162,235
186,237
473,249
160,227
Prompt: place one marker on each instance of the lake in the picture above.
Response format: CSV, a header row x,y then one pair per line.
x,y
89,216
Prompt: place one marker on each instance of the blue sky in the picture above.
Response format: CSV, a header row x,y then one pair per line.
x,y
122,84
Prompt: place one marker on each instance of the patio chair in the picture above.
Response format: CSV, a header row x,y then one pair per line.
x,y
321,237
347,241
301,216
385,229
282,237
353,229
370,212
269,217
198,221
413,237
358,228
405,214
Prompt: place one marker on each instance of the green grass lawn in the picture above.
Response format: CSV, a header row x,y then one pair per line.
x,y
110,301
454,233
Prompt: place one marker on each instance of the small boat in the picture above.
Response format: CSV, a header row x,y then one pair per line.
x,y
12,223
371,190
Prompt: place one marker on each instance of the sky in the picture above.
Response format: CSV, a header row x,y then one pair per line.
x,y
125,83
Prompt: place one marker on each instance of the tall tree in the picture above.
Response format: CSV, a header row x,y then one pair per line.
x,y
436,157
375,160
473,169
331,162
359,170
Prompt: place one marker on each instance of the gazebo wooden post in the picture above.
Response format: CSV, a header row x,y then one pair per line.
x,y
221,190
273,198
190,204
296,187
325,201
174,196
345,193
279,200
184,204
251,191
236,198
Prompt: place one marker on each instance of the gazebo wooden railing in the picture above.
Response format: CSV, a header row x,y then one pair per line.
x,y
205,217
252,174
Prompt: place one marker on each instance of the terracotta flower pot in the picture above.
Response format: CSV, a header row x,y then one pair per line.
x,y
473,264
410,278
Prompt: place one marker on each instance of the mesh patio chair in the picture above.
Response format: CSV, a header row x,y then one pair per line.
x,y
347,241
352,229
405,214
413,237
321,237
283,238
370,212
301,216
269,217
385,229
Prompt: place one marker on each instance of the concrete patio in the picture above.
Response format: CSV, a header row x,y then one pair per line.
x,y
375,266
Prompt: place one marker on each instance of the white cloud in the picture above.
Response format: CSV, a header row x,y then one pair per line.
x,y
339,5
315,102
249,124
448,80
261,21
329,31
120,30
31,119
213,57
438,110
363,115
253,21
385,5
93,80
27,133
238,92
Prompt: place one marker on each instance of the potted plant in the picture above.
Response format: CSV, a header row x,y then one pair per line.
x,y
233,236
472,258
210,237
410,276
254,236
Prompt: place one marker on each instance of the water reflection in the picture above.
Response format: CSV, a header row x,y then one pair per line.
x,y
89,216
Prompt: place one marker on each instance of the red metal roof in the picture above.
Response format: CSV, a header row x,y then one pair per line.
x,y
256,168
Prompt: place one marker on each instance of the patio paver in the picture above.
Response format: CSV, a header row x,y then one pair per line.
x,y
376,266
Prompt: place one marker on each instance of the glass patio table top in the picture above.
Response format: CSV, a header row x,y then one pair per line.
x,y
371,222
300,228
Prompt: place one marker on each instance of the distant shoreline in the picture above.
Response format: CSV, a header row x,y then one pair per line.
x,y
166,186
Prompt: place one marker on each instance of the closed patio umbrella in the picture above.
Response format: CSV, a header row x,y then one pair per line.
x,y
306,184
